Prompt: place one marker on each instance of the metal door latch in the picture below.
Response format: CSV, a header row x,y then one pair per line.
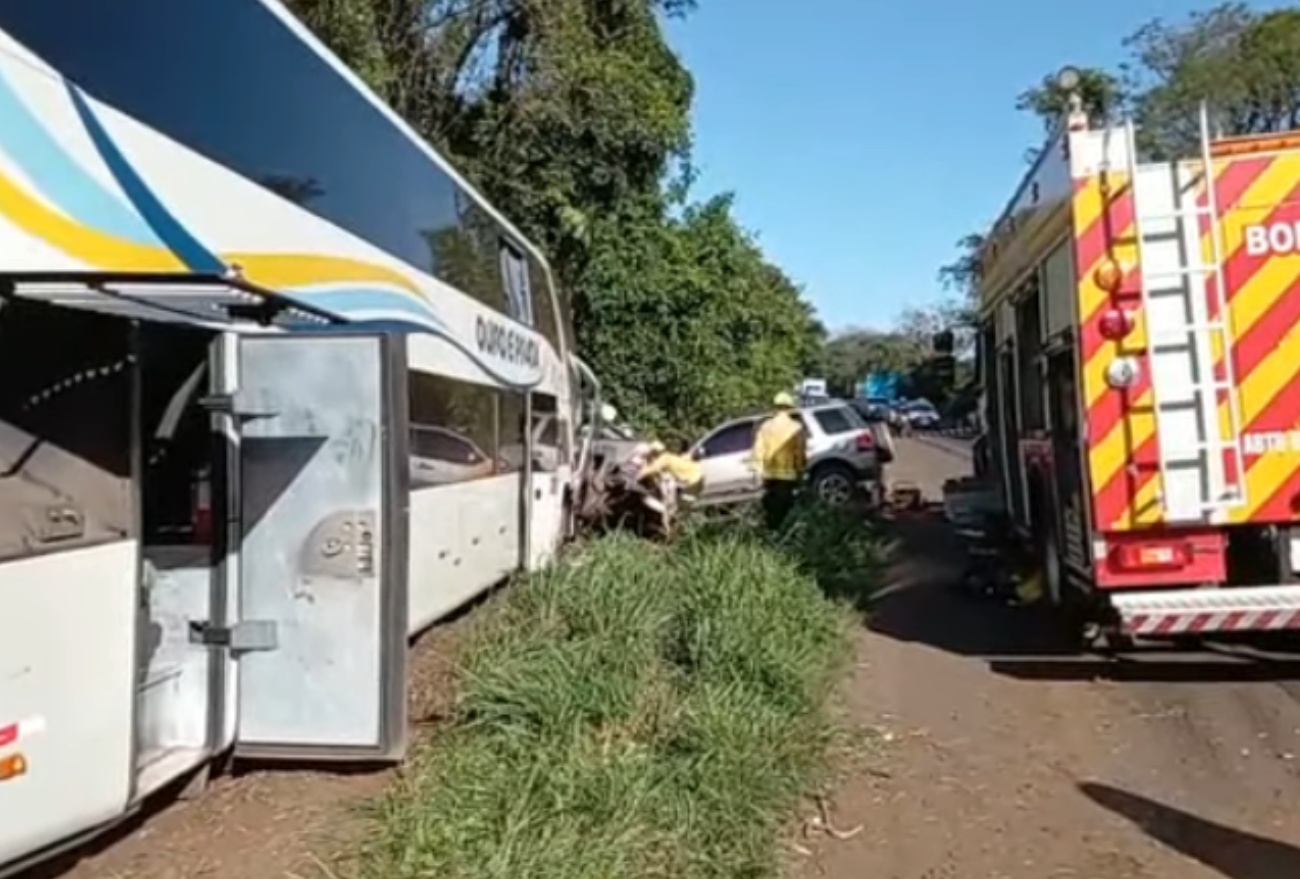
x,y
235,405
249,636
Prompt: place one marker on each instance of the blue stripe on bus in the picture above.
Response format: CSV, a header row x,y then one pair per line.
x,y
173,234
61,178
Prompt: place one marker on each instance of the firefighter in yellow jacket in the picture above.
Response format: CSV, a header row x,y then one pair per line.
x,y
779,458
687,473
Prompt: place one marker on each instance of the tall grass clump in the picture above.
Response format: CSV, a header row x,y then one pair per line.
x,y
637,711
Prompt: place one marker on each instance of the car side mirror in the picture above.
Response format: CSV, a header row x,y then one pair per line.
x,y
697,453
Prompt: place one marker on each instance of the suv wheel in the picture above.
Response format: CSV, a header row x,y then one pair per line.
x,y
834,485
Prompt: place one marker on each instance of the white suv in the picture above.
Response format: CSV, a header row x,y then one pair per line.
x,y
843,454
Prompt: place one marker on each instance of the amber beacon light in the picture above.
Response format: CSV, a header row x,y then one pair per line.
x,y
12,766
1108,276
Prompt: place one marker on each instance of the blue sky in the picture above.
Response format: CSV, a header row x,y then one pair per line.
x,y
864,137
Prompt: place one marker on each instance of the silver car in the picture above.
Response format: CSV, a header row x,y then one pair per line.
x,y
844,454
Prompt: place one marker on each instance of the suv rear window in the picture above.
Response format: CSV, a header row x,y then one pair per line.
x,y
840,419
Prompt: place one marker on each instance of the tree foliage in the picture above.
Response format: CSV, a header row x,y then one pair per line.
x,y
573,117
962,275
906,349
1244,64
687,319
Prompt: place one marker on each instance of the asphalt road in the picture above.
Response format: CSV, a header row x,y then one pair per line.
x,y
1003,753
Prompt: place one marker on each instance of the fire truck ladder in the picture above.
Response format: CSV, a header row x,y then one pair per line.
x,y
1212,455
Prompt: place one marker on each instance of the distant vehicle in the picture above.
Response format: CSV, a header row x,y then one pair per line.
x,y
873,409
881,384
921,415
844,455
813,388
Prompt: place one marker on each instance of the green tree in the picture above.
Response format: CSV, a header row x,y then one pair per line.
x,y
687,320
573,117
852,353
962,275
1244,64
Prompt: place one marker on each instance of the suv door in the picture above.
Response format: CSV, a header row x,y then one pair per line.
x,y
724,456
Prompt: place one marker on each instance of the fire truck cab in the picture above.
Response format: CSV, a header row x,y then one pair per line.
x,y
1141,374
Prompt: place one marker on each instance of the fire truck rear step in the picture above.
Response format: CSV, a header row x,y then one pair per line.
x,y
1181,352
1198,611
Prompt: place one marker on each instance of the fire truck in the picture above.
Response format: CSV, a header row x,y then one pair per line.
x,y
1139,351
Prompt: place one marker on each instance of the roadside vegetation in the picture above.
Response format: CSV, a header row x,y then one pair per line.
x,y
573,117
638,711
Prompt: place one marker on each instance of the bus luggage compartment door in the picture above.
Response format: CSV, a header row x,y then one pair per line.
x,y
322,634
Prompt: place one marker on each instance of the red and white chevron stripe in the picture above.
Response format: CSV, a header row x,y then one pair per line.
x,y
1196,611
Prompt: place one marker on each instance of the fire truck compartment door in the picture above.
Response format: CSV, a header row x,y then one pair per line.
x,y
321,642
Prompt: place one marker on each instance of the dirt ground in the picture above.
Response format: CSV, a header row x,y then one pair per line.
x,y
1006,757
1002,756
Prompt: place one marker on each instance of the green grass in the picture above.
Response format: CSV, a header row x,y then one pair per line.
x,y
639,711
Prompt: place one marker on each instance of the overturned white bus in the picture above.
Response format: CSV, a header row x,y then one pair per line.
x,y
277,389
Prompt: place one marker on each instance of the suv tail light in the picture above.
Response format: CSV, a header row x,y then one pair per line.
x,y
866,442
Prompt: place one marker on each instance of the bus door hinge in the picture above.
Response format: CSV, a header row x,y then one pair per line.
x,y
248,636
236,405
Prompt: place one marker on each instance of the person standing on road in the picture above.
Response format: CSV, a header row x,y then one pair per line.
x,y
779,458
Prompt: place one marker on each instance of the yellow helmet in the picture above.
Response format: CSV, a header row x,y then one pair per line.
x,y
783,400
657,447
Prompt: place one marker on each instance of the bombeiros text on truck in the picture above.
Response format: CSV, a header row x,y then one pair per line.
x,y
1141,376
278,389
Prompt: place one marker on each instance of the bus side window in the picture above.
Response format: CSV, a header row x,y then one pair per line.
x,y
545,301
547,432
453,429
514,272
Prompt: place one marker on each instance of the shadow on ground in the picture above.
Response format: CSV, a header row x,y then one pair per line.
x,y
1233,853
915,600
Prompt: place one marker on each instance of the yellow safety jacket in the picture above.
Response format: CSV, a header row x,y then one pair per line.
x,y
780,448
687,473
